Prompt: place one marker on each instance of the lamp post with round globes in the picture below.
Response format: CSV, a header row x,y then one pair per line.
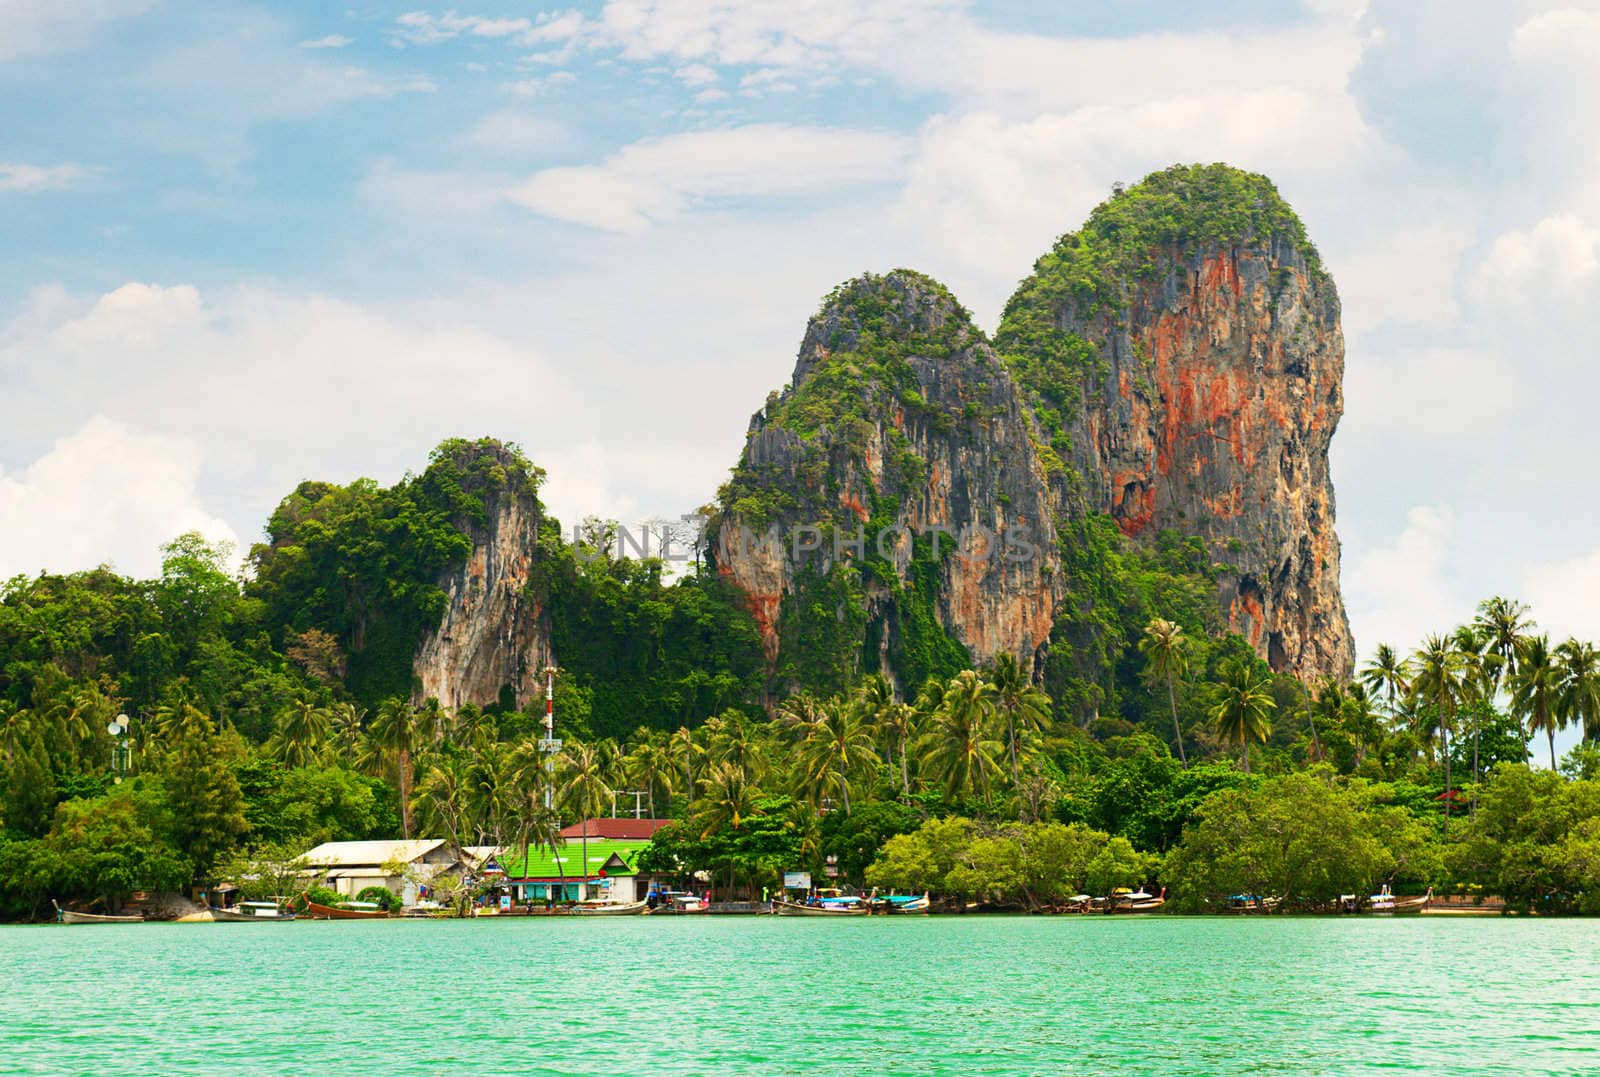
x,y
121,753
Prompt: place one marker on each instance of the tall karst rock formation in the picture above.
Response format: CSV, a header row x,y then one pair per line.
x,y
1182,356
493,633
1173,366
889,513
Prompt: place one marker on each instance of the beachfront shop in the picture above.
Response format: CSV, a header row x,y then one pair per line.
x,y
606,871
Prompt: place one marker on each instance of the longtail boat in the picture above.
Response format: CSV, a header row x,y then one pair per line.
x,y
1140,902
354,910
1385,903
252,912
610,908
836,908
73,916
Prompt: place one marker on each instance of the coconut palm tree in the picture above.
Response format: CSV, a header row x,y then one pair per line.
x,y
727,801
583,789
1536,690
303,731
345,730
1386,675
1481,678
959,748
897,725
686,750
650,765
836,746
1242,706
1503,623
1025,708
1580,685
393,734
1441,679
1166,658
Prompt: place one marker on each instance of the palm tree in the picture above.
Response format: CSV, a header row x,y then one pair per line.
x,y
1025,707
443,797
1536,690
1242,706
837,745
1481,679
650,765
1386,675
491,789
1580,685
394,730
898,725
302,732
959,748
728,800
345,730
1441,679
1166,658
1503,622
583,790
686,750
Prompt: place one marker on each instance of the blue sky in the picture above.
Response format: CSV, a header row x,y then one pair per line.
x,y
250,244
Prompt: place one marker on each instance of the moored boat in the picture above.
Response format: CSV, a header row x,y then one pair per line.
x,y
610,908
1139,901
899,904
350,910
73,916
828,907
1385,903
676,902
252,912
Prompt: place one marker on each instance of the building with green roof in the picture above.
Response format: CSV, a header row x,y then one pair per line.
x,y
611,872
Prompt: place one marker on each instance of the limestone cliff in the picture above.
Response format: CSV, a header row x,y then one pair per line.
x,y
1183,356
889,512
492,634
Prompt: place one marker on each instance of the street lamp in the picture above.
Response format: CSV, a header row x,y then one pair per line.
x,y
121,753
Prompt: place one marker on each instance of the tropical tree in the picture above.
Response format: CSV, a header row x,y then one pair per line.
x,y
303,731
1503,622
837,745
727,801
1579,699
1386,676
1166,659
1242,706
1536,690
1024,707
393,736
583,789
1440,679
959,749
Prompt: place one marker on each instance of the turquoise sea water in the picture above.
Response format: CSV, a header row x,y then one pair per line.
x,y
767,995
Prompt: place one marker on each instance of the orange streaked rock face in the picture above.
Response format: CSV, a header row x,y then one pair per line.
x,y
1212,416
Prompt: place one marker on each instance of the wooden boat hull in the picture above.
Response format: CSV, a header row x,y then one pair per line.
x,y
791,908
631,908
68,916
328,912
230,916
1405,906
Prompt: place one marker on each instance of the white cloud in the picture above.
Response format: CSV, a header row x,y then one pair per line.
x,y
695,75
1560,252
1565,596
422,28
1403,589
30,178
45,26
512,130
332,41
104,493
134,314
658,179
1431,392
